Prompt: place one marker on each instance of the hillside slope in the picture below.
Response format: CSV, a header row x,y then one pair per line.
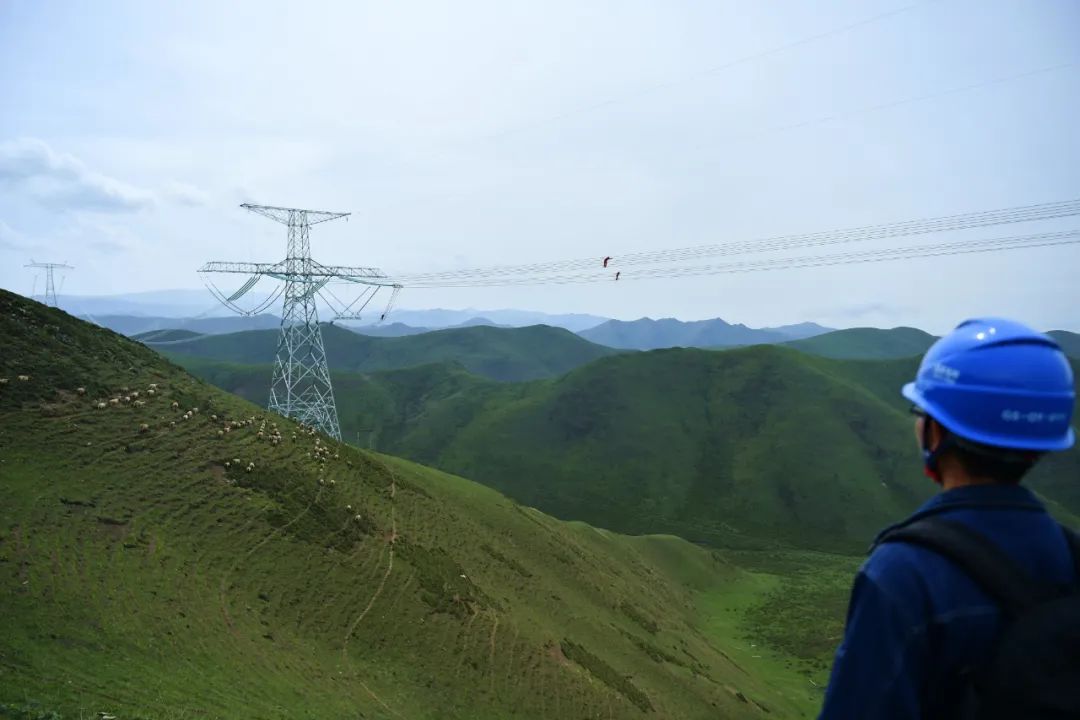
x,y
867,343
154,564
504,354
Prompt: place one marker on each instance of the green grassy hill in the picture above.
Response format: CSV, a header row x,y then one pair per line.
x,y
867,343
727,448
155,565
498,353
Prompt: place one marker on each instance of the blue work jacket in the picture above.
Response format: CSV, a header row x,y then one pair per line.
x,y
915,620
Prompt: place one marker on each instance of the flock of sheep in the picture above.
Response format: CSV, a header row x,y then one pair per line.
x,y
268,431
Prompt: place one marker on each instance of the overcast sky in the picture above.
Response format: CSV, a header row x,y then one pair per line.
x,y
463,134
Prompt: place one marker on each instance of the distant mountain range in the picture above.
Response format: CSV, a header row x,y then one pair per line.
x,y
441,318
143,326
649,334
501,354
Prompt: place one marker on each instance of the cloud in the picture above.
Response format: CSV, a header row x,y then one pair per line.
x,y
62,180
870,309
12,239
187,195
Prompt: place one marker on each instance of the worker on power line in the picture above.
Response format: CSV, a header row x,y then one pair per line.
x,y
970,608
617,275
607,260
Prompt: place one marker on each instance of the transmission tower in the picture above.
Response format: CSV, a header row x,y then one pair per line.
x,y
50,285
300,387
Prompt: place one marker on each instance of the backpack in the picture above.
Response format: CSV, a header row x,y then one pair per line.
x,y
1033,671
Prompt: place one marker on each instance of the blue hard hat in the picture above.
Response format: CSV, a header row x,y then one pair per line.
x,y
1000,383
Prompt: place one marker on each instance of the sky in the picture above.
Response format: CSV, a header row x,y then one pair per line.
x,y
477,133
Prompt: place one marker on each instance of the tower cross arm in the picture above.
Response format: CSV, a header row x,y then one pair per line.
x,y
353,274
245,268
283,215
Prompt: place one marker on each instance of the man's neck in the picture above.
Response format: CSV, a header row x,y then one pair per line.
x,y
951,481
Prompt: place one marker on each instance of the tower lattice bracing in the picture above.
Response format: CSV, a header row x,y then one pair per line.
x,y
300,386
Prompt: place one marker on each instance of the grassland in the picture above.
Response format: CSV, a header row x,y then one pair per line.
x,y
146,572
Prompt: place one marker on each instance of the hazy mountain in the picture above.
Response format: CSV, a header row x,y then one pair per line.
x,y
800,331
140,325
503,354
649,334
442,318
394,329
156,303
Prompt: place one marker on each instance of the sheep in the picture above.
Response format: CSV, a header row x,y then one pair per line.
x,y
114,401
151,391
333,481
81,391
152,386
213,417
175,405
123,389
3,381
221,433
172,423
24,378
135,394
358,517
228,464
127,398
101,406
348,507
144,427
236,460
139,403
195,410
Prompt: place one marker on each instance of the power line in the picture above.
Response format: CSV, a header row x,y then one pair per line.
x,y
967,247
964,221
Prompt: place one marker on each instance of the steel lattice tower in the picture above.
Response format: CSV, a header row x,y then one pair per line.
x,y
300,387
50,285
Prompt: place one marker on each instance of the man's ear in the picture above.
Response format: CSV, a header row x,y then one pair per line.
x,y
935,433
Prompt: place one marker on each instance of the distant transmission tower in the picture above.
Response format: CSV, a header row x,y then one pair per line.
x,y
50,285
300,387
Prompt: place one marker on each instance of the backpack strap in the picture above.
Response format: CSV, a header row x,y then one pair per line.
x,y
1001,577
1073,540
